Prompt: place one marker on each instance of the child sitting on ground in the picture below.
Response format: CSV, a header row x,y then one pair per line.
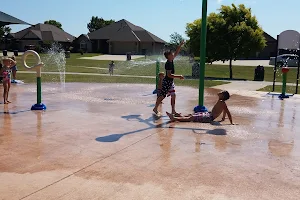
x,y
208,117
5,72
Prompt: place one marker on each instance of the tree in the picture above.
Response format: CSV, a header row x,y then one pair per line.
x,y
4,30
97,23
176,39
231,34
54,23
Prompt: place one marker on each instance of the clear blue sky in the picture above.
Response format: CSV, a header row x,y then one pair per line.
x,y
161,17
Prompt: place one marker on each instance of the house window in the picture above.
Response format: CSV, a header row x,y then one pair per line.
x,y
83,45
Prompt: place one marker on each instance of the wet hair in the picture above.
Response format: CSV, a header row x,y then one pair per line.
x,y
167,53
226,95
4,58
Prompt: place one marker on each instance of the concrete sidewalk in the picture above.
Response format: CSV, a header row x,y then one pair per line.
x,y
237,86
112,57
264,63
88,74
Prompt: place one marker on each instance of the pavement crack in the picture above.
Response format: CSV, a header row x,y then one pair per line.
x,y
97,161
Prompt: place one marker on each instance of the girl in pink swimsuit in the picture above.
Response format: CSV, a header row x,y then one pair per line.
x,y
5,72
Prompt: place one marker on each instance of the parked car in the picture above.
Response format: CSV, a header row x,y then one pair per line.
x,y
290,59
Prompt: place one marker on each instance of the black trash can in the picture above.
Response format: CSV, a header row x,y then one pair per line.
x,y
81,52
68,54
4,52
16,52
128,56
259,74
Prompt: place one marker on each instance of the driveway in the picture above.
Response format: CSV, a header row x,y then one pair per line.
x,y
264,63
112,57
9,53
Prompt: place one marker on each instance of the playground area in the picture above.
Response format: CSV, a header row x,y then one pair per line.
x,y
100,141
93,133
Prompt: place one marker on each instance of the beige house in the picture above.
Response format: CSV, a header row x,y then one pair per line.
x,y
120,38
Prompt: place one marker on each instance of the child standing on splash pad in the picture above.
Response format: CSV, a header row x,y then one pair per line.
x,y
14,70
168,81
161,76
111,68
208,117
5,72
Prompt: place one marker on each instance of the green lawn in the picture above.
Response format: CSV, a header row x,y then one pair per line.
x,y
278,88
142,67
30,78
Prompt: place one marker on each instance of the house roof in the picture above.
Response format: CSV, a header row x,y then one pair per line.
x,y
6,19
269,38
44,32
124,31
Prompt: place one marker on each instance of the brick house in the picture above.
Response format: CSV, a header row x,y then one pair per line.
x,y
39,35
268,51
120,38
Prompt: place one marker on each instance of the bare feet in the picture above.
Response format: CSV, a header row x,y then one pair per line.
x,y
176,114
172,119
156,112
8,101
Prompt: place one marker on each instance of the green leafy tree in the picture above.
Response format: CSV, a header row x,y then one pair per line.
x,y
97,23
176,39
4,30
231,34
54,23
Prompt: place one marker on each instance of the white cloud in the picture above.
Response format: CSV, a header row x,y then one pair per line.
x,y
219,1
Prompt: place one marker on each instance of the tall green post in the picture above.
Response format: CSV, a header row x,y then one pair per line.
x,y
39,90
157,76
201,107
284,70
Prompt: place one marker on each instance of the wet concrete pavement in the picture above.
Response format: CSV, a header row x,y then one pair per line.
x,y
100,141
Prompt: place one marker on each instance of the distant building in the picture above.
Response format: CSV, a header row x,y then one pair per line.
x,y
83,43
120,38
268,51
39,35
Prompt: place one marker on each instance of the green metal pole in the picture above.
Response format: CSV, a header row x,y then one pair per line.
x,y
203,52
157,73
39,90
284,76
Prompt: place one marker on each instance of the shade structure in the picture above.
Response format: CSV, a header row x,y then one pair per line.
x,y
6,19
